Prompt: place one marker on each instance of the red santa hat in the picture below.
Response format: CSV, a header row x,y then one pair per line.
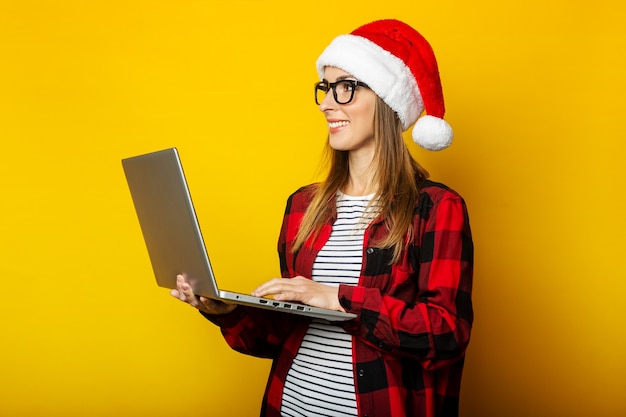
x,y
399,65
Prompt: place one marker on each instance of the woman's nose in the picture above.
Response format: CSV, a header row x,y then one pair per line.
x,y
328,102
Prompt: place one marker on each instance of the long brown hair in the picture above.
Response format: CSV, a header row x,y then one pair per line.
x,y
397,175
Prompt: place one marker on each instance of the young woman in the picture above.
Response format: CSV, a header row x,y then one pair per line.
x,y
377,239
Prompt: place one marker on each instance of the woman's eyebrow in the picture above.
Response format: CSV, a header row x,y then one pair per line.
x,y
341,78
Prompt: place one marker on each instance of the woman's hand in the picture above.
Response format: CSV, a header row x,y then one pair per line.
x,y
184,293
302,290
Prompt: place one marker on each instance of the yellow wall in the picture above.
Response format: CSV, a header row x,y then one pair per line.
x,y
535,93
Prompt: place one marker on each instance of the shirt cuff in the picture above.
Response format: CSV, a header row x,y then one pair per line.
x,y
351,297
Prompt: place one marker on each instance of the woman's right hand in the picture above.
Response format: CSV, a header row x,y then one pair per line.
x,y
184,293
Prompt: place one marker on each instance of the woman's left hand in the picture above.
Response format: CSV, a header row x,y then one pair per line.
x,y
303,290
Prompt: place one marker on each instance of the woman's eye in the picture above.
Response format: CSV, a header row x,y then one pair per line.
x,y
346,86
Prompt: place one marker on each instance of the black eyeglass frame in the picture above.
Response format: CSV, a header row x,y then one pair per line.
x,y
333,86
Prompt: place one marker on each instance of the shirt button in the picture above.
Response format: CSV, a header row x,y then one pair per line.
x,y
370,250
361,372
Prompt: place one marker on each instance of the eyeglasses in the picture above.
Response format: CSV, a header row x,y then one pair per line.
x,y
343,90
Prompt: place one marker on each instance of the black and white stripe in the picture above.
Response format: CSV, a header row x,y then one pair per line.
x,y
320,381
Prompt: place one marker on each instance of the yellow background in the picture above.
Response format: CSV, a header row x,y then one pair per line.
x,y
534,91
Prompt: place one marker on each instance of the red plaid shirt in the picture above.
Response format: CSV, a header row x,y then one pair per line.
x,y
414,318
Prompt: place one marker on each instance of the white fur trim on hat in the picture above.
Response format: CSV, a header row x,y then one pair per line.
x,y
432,133
383,72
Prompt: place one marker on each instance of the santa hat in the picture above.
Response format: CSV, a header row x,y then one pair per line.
x,y
399,65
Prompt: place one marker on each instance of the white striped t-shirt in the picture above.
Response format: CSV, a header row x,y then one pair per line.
x,y
320,381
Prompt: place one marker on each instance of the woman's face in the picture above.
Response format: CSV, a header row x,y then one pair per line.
x,y
351,125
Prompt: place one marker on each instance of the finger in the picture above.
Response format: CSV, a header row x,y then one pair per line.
x,y
186,289
178,291
288,296
270,287
191,298
180,280
183,290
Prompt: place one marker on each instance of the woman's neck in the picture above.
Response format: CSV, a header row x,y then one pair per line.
x,y
362,176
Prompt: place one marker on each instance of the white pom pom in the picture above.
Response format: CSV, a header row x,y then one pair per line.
x,y
432,133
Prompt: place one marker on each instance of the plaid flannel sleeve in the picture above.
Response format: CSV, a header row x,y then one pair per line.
x,y
421,307
254,331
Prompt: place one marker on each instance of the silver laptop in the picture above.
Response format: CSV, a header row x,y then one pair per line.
x,y
173,238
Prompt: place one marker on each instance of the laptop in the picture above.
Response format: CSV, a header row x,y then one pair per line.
x,y
173,238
